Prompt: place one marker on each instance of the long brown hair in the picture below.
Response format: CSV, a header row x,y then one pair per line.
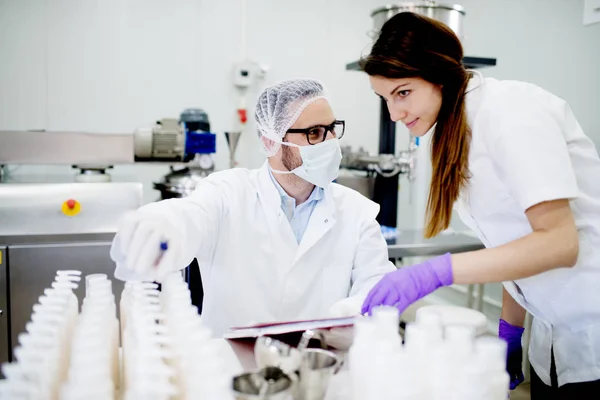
x,y
408,46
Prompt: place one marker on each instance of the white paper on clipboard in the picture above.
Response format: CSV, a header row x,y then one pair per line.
x,y
280,328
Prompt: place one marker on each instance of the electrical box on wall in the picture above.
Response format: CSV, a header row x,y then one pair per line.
x,y
246,72
243,74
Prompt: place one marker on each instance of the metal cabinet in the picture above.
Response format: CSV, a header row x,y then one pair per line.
x,y
33,267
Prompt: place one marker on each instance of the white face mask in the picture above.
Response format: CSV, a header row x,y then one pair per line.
x,y
320,162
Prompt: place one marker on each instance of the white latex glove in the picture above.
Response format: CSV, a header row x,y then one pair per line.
x,y
341,338
137,246
347,307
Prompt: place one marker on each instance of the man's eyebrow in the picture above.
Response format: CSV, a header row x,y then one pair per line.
x,y
316,125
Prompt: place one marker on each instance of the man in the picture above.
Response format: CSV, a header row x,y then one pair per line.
x,y
278,243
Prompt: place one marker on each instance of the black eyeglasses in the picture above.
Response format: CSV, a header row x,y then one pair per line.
x,y
318,133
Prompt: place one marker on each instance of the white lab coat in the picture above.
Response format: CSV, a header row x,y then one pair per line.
x,y
253,269
526,148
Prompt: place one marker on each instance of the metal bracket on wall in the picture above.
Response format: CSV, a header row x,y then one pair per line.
x,y
468,61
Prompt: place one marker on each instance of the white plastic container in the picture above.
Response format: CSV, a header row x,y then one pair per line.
x,y
455,315
359,354
490,355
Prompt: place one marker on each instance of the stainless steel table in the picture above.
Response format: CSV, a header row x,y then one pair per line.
x,y
411,243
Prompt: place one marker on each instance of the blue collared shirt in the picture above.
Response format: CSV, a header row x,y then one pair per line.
x,y
298,215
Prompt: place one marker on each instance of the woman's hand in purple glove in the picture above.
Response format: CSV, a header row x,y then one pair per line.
x,y
403,287
514,357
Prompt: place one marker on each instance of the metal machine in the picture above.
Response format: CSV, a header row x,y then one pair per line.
x,y
49,226
45,226
183,140
360,170
187,143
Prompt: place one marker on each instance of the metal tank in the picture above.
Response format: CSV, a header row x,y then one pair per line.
x,y
450,14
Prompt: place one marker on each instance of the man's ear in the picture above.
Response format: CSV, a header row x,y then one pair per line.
x,y
271,146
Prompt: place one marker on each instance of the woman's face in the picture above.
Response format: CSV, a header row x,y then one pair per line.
x,y
413,101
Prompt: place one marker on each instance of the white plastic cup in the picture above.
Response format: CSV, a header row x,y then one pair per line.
x,y
387,318
428,316
92,278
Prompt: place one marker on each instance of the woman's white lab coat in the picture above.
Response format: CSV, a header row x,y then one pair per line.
x,y
527,148
253,269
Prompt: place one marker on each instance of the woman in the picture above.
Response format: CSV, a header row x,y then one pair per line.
x,y
521,173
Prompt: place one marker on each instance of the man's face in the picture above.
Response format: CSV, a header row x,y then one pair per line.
x,y
318,112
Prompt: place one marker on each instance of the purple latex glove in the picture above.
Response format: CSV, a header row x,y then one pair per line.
x,y
403,287
514,357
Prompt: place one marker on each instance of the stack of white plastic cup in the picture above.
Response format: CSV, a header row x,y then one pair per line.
x,y
42,354
490,356
201,372
485,376
146,345
423,340
377,358
359,356
93,368
450,360
388,355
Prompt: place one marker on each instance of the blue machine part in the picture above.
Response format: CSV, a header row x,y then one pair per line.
x,y
199,142
198,139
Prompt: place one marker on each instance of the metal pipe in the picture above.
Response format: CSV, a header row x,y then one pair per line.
x,y
480,292
470,291
243,30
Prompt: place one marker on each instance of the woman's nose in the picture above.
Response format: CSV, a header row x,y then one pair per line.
x,y
396,113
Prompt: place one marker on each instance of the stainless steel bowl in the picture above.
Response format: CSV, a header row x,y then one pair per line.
x,y
268,383
275,353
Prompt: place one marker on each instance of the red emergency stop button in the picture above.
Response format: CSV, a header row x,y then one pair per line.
x,y
71,208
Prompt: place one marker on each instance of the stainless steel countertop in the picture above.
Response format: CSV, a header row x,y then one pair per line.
x,y
106,237
411,243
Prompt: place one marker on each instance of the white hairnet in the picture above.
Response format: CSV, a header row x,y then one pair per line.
x,y
280,105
